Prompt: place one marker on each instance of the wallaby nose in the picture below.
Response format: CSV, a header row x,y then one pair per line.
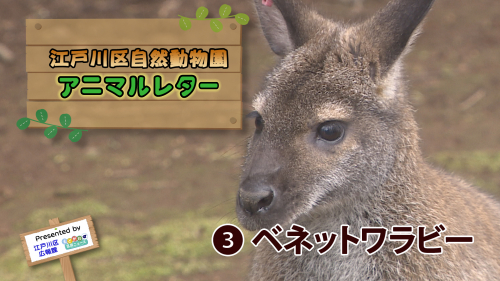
x,y
256,199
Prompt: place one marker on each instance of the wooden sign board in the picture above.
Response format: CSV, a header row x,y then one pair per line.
x,y
135,73
59,240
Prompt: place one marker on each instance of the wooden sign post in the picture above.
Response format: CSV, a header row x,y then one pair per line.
x,y
134,73
59,241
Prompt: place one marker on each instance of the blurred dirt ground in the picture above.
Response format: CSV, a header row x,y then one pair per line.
x,y
156,196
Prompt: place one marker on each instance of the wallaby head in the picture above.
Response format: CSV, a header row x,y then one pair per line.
x,y
332,120
336,143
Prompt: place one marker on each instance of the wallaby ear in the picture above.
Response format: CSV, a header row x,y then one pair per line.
x,y
287,24
389,31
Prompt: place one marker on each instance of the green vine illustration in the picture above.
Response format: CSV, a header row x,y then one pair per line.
x,y
51,131
215,24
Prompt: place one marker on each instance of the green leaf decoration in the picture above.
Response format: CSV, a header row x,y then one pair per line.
x,y
216,25
42,115
23,123
75,135
224,11
242,18
201,13
50,132
185,23
65,120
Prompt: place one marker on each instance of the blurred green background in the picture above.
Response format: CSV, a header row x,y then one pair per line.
x,y
156,196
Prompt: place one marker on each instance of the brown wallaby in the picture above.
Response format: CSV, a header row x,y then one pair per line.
x,y
336,144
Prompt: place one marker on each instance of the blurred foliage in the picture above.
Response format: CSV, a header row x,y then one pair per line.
x,y
74,210
480,167
469,161
178,246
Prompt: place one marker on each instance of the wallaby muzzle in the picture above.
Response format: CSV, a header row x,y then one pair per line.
x,y
255,197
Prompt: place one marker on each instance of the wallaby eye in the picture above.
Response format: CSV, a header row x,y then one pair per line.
x,y
259,124
331,131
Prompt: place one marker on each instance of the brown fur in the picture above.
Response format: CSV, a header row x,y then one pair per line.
x,y
375,176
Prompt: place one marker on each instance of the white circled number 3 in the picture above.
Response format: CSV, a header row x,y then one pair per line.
x,y
228,239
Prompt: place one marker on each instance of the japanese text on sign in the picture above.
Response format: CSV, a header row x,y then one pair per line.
x,y
138,58
58,240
